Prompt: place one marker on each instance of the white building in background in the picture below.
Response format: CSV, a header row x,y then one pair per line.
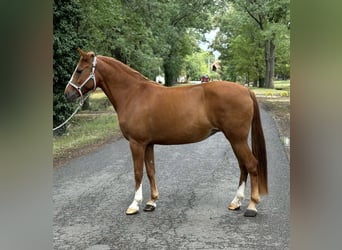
x,y
181,79
160,79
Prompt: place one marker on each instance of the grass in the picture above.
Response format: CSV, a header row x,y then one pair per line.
x,y
88,127
85,130
99,102
281,88
279,106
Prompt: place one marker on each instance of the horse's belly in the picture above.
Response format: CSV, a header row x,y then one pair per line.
x,y
183,136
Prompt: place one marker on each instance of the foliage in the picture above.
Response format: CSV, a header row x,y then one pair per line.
x,y
249,34
84,131
66,18
196,65
240,46
147,35
187,16
86,128
117,28
282,57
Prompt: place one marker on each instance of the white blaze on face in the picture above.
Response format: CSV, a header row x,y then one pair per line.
x,y
240,194
137,199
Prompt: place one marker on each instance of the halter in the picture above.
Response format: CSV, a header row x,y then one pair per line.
x,y
91,76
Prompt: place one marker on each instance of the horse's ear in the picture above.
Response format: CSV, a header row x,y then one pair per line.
x,y
82,53
92,54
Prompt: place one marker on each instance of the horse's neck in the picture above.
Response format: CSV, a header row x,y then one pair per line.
x,y
117,81
122,70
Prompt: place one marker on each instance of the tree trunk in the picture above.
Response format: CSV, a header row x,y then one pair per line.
x,y
261,82
170,70
170,79
255,83
269,60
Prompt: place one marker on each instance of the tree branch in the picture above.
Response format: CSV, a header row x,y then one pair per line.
x,y
259,21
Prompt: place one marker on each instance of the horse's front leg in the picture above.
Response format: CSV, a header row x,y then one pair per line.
x,y
150,169
138,153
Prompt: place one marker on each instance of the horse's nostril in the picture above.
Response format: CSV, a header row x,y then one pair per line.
x,y
67,97
70,97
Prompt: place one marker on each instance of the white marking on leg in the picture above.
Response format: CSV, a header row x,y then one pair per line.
x,y
240,194
137,199
152,203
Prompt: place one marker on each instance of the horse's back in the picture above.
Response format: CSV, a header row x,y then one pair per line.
x,y
225,89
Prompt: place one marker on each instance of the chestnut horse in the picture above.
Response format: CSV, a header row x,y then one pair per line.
x,y
146,109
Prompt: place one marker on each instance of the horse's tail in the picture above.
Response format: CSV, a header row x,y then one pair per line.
x,y
259,146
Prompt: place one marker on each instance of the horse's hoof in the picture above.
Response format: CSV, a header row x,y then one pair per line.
x,y
250,213
233,206
149,208
131,211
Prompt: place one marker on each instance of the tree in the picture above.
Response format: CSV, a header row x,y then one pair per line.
x,y
185,18
270,16
174,59
146,34
196,65
66,19
121,29
282,58
240,45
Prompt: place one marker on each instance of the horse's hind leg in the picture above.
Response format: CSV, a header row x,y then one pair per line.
x,y
240,193
246,157
150,169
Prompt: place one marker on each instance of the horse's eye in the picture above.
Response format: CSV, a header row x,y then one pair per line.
x,y
79,71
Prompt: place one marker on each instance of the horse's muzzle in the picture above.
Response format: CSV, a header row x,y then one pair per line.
x,y
71,96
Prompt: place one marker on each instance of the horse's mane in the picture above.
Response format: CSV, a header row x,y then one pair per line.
x,y
126,68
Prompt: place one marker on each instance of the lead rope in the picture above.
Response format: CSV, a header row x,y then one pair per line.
x,y
66,121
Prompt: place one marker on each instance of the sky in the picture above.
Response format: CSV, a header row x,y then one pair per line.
x,y
209,36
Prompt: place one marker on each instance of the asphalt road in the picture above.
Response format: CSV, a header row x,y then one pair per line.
x,y
196,182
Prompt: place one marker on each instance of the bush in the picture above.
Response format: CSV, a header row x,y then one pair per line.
x,y
66,18
61,111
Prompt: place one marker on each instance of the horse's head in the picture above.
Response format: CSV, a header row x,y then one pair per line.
x,y
83,78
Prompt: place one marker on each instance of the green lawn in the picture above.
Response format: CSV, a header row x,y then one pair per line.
x,y
281,88
85,130
88,127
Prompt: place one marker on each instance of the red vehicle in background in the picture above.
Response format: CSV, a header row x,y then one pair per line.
x,y
205,78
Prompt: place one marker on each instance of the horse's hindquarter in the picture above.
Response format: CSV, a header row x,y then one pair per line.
x,y
228,103
230,109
